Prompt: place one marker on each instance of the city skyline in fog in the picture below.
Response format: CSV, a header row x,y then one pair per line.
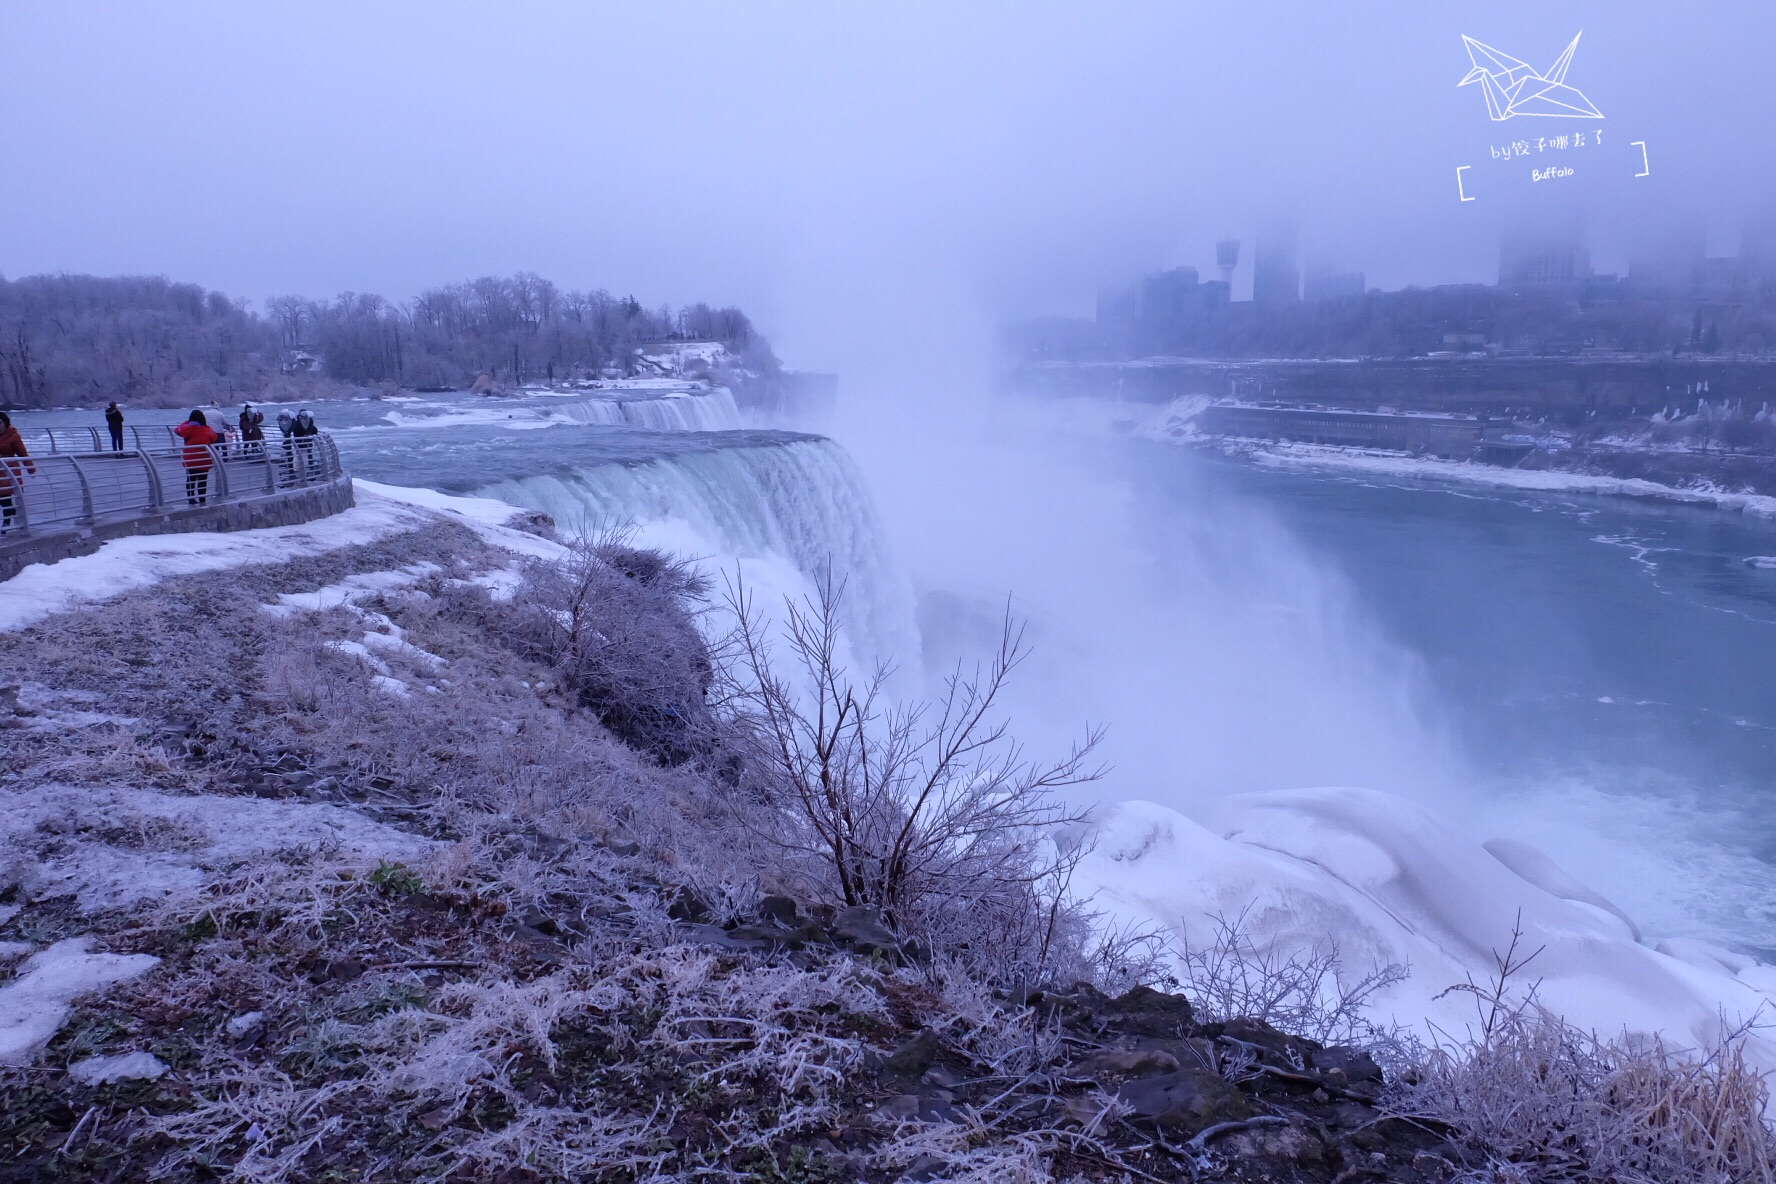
x,y
857,181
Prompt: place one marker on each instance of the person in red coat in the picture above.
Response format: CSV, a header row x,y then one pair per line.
x,y
198,436
11,445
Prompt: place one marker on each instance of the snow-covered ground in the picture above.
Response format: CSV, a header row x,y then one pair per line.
x,y
124,565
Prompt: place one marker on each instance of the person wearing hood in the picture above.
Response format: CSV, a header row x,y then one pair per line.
x,y
199,438
252,430
302,436
114,421
11,445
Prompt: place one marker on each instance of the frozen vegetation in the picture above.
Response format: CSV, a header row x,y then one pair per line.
x,y
416,844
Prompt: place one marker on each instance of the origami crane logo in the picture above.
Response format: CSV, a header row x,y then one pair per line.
x,y
1514,88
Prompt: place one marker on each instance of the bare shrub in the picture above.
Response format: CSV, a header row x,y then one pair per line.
x,y
1538,1099
1303,992
617,625
929,812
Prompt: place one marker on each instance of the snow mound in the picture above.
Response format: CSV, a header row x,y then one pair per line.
x,y
486,516
1534,865
350,590
34,1004
115,847
1385,883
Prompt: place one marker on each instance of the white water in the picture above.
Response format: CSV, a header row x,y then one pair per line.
x,y
777,512
1234,663
711,412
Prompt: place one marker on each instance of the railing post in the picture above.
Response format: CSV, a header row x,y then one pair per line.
x,y
50,432
218,472
95,436
86,492
20,511
156,491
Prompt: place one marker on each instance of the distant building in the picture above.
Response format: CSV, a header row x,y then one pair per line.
x,y
1118,307
1170,295
1276,276
1543,261
1670,267
1332,285
1227,257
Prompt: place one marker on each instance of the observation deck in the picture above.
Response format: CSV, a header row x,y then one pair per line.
x,y
74,492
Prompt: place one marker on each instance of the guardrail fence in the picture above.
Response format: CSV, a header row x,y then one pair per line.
x,y
58,488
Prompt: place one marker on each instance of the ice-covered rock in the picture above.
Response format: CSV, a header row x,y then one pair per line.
x,y
1534,865
242,1025
139,1066
1383,881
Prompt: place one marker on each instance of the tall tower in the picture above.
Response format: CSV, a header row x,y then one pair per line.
x,y
1227,257
1276,277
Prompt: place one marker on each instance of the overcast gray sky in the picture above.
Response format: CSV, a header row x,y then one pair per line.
x,y
844,171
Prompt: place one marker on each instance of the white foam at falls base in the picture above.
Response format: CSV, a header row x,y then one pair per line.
x,y
780,512
1383,881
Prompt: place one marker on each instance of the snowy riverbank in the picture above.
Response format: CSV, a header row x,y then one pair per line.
x,y
1173,425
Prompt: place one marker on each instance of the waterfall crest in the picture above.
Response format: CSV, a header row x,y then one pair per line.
x,y
780,511
714,411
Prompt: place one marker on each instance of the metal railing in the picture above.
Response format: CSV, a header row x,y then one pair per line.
x,y
57,490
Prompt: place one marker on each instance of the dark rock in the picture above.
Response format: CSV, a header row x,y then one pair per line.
x,y
1188,1100
687,906
345,970
1127,1062
924,1167
1285,1050
1275,1149
548,847
780,909
715,935
1144,1011
911,1059
763,936
1432,1166
1357,1066
861,928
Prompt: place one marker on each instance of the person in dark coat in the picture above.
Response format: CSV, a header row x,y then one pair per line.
x,y
302,435
11,445
114,421
252,430
199,436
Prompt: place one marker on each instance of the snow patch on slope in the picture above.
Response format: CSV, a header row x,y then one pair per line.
x,y
34,1004
114,847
